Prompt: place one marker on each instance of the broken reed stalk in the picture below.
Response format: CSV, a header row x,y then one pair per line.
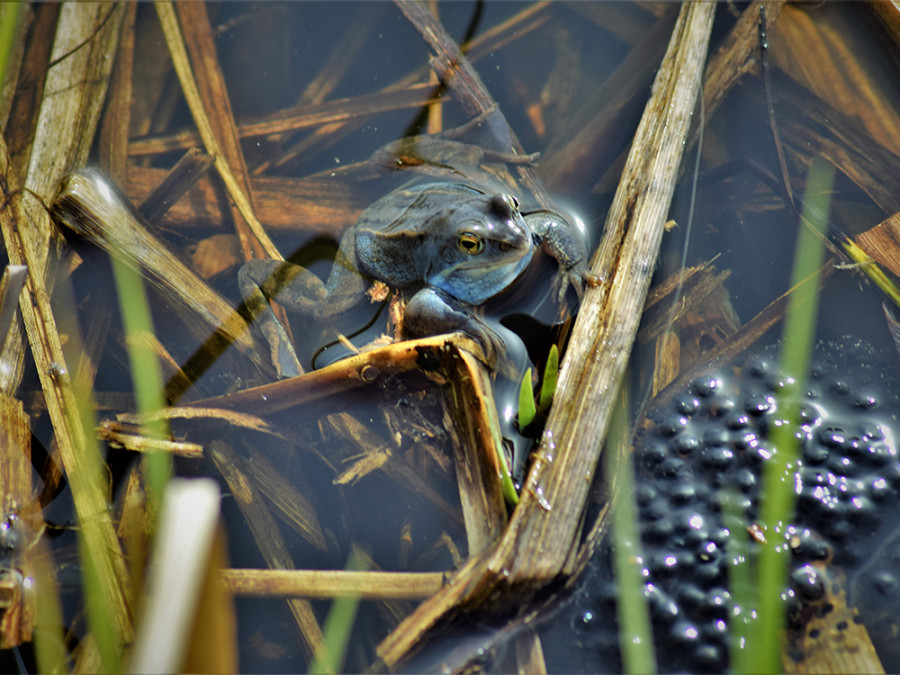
x,y
429,356
366,585
543,531
94,208
181,62
74,87
337,111
287,205
210,81
192,166
607,321
477,455
78,449
22,518
82,55
112,139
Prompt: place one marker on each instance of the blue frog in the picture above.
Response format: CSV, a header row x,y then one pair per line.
x,y
448,247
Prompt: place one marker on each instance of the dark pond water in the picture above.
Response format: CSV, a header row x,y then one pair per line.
x,y
555,77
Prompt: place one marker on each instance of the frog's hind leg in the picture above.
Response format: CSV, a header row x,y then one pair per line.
x,y
293,286
432,312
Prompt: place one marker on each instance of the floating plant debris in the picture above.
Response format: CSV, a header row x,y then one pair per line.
x,y
711,441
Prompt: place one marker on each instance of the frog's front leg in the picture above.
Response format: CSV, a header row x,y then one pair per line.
x,y
299,290
561,240
432,312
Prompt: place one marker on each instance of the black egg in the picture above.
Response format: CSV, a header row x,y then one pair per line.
x,y
645,493
716,436
684,634
745,479
744,440
758,454
686,405
814,453
681,492
659,531
690,596
704,386
672,425
684,444
871,431
653,454
716,458
831,436
759,404
809,414
839,387
662,607
759,367
654,510
709,656
841,464
809,583
716,604
737,420
865,400
672,467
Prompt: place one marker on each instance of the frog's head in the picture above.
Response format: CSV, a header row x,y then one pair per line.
x,y
486,246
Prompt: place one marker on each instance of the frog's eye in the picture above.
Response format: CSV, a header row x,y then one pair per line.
x,y
470,243
504,206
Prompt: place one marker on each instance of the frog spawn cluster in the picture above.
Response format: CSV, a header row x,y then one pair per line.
x,y
709,444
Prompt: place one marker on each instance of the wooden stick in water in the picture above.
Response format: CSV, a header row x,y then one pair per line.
x,y
537,544
93,207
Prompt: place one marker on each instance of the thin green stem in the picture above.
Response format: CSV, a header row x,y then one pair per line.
x,y
778,494
9,20
338,626
635,633
146,376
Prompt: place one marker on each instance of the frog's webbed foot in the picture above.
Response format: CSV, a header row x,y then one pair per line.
x,y
432,312
562,280
565,243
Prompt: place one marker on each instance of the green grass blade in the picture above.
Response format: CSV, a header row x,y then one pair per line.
x,y
338,626
9,20
778,497
635,633
146,375
740,582
49,643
